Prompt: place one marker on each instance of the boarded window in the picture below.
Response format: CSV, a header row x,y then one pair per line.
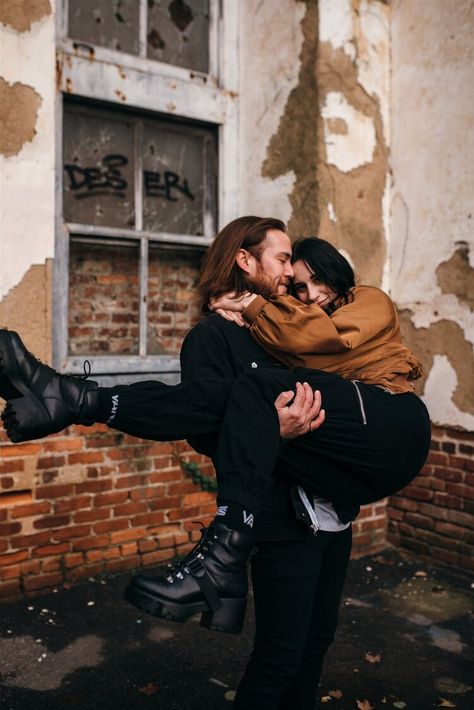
x,y
128,172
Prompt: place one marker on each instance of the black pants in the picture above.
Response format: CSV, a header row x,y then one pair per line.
x,y
297,590
371,444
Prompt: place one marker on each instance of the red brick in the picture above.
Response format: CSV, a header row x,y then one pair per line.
x,y
48,550
110,525
30,567
113,498
73,560
165,476
7,529
10,572
51,565
457,489
12,466
447,501
181,488
54,521
155,518
199,498
130,509
76,503
423,521
88,516
91,542
86,457
71,532
147,545
49,492
405,504
94,486
13,558
165,502
448,529
25,511
130,481
94,555
50,462
130,548
461,518
19,450
437,458
7,482
23,541
63,444
182,513
42,581
127,535
112,553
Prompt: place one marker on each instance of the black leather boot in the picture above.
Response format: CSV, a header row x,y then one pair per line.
x,y
211,579
40,400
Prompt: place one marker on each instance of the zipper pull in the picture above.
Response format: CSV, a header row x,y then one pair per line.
x,y
314,527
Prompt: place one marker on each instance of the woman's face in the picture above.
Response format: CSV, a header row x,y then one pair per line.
x,y
308,289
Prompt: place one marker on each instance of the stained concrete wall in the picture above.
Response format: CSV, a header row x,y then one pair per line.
x,y
431,241
27,168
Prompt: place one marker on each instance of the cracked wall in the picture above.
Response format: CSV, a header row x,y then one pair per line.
x,y
27,168
314,122
431,244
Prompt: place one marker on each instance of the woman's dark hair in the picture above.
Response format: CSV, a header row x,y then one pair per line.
x,y
326,263
220,272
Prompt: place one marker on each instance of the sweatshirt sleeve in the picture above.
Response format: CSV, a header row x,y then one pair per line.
x,y
286,326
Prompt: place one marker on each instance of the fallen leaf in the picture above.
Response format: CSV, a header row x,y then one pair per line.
x,y
420,573
149,689
230,695
337,694
371,658
326,699
364,705
399,704
445,703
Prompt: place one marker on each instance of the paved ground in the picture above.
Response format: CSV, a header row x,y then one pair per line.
x,y
402,643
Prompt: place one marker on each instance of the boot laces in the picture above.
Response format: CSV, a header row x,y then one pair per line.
x,y
203,545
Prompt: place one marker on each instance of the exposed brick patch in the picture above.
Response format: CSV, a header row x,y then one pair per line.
x,y
434,515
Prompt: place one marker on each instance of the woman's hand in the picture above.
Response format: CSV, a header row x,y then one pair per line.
x,y
232,316
232,301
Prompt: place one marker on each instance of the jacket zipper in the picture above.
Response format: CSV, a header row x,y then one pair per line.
x,y
310,510
361,402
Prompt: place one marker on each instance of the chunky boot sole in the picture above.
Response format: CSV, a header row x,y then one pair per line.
x,y
11,382
228,619
35,420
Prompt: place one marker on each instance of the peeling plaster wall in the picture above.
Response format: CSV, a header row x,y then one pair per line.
x,y
431,246
27,163
353,135
270,39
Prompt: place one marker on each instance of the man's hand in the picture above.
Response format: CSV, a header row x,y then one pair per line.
x,y
303,415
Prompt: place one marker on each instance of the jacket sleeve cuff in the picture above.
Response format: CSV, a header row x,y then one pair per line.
x,y
253,311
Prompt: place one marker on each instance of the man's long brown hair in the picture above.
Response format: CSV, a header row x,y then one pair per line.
x,y
220,272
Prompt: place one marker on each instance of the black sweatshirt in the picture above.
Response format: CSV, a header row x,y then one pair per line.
x,y
217,348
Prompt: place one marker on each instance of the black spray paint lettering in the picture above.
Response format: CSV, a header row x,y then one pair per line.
x,y
158,185
106,180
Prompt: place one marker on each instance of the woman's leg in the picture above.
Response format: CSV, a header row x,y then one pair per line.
x,y
326,603
371,444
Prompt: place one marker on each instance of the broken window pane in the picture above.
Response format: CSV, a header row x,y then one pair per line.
x,y
98,168
103,299
174,304
105,23
178,33
175,178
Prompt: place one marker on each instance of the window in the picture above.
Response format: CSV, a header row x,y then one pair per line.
x,y
147,159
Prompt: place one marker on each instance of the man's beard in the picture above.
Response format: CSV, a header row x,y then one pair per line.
x,y
261,284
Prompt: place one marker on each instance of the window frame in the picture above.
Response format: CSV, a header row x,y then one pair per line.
x,y
103,75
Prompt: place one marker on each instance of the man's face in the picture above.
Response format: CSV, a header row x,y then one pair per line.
x,y
272,271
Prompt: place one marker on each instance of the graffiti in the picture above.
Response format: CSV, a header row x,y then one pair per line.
x,y
162,185
108,180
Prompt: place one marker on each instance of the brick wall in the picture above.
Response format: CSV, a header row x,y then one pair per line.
x,y
104,298
434,515
90,501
